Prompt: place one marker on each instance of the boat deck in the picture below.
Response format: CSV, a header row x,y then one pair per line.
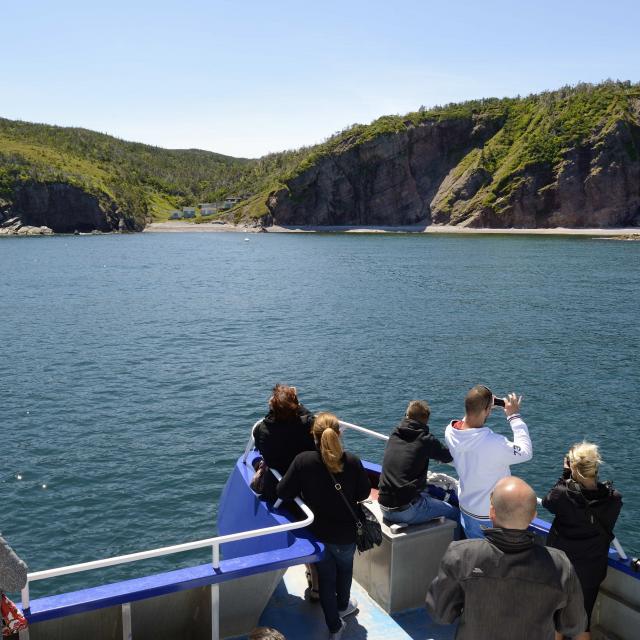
x,y
296,618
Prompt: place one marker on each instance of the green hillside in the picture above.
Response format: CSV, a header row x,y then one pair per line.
x,y
146,182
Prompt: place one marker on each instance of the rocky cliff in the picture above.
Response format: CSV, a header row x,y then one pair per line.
x,y
62,208
569,158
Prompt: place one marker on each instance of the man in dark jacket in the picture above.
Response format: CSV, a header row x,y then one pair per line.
x,y
506,586
403,482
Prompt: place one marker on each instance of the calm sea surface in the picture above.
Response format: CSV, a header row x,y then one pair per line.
x,y
132,367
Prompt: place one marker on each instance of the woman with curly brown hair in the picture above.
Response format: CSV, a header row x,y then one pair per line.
x,y
283,433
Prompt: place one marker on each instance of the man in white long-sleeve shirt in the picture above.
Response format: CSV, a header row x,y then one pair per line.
x,y
482,457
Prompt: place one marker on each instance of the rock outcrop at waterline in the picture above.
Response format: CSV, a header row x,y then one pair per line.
x,y
568,159
42,208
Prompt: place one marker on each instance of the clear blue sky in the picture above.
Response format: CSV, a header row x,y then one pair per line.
x,y
248,77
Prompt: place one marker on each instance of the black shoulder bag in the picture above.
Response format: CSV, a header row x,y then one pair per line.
x,y
368,529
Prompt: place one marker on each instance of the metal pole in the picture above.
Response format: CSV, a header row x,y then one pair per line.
x,y
24,634
355,427
215,612
215,597
618,547
249,446
126,621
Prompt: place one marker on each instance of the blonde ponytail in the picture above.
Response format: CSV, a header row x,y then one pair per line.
x,y
584,459
326,432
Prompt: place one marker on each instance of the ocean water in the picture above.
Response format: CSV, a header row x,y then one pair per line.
x,y
132,367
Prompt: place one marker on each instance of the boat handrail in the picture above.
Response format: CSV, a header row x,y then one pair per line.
x,y
214,543
343,426
374,434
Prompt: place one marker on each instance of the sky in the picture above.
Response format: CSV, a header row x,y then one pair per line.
x,y
246,78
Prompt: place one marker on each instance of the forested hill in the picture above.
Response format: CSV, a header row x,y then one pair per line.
x,y
569,157
70,178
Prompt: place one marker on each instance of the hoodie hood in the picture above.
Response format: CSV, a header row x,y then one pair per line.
x,y
510,540
411,430
462,440
592,498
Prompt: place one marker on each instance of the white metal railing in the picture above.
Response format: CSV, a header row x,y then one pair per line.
x,y
369,432
214,543
343,426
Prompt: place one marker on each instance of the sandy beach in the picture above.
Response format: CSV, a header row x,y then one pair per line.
x,y
211,227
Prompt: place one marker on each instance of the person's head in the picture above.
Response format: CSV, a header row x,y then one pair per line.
x,y
326,432
478,403
418,410
584,460
513,504
265,633
284,402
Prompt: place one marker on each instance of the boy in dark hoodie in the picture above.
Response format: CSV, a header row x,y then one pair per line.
x,y
403,496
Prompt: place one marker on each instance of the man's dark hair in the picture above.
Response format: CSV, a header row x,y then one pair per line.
x,y
418,410
477,400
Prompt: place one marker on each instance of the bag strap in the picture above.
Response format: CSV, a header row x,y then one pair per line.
x,y
595,520
338,488
593,517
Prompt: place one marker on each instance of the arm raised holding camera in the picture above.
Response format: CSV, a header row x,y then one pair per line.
x,y
521,449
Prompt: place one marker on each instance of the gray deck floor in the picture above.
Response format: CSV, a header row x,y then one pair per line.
x,y
298,619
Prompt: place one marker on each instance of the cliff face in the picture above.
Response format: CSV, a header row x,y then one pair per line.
x,y
596,185
390,180
529,164
63,208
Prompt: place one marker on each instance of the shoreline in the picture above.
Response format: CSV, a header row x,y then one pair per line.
x,y
208,227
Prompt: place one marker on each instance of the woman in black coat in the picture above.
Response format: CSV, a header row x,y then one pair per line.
x,y
310,475
585,513
283,433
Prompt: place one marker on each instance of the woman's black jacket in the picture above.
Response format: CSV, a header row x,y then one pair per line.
x,y
309,478
583,525
280,441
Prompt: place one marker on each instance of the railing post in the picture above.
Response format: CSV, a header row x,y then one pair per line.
x,y
24,634
25,596
215,597
126,621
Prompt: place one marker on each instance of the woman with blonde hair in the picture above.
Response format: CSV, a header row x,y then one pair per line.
x,y
585,513
319,477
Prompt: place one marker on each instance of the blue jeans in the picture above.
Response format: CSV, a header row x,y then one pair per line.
x,y
473,526
335,572
422,509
